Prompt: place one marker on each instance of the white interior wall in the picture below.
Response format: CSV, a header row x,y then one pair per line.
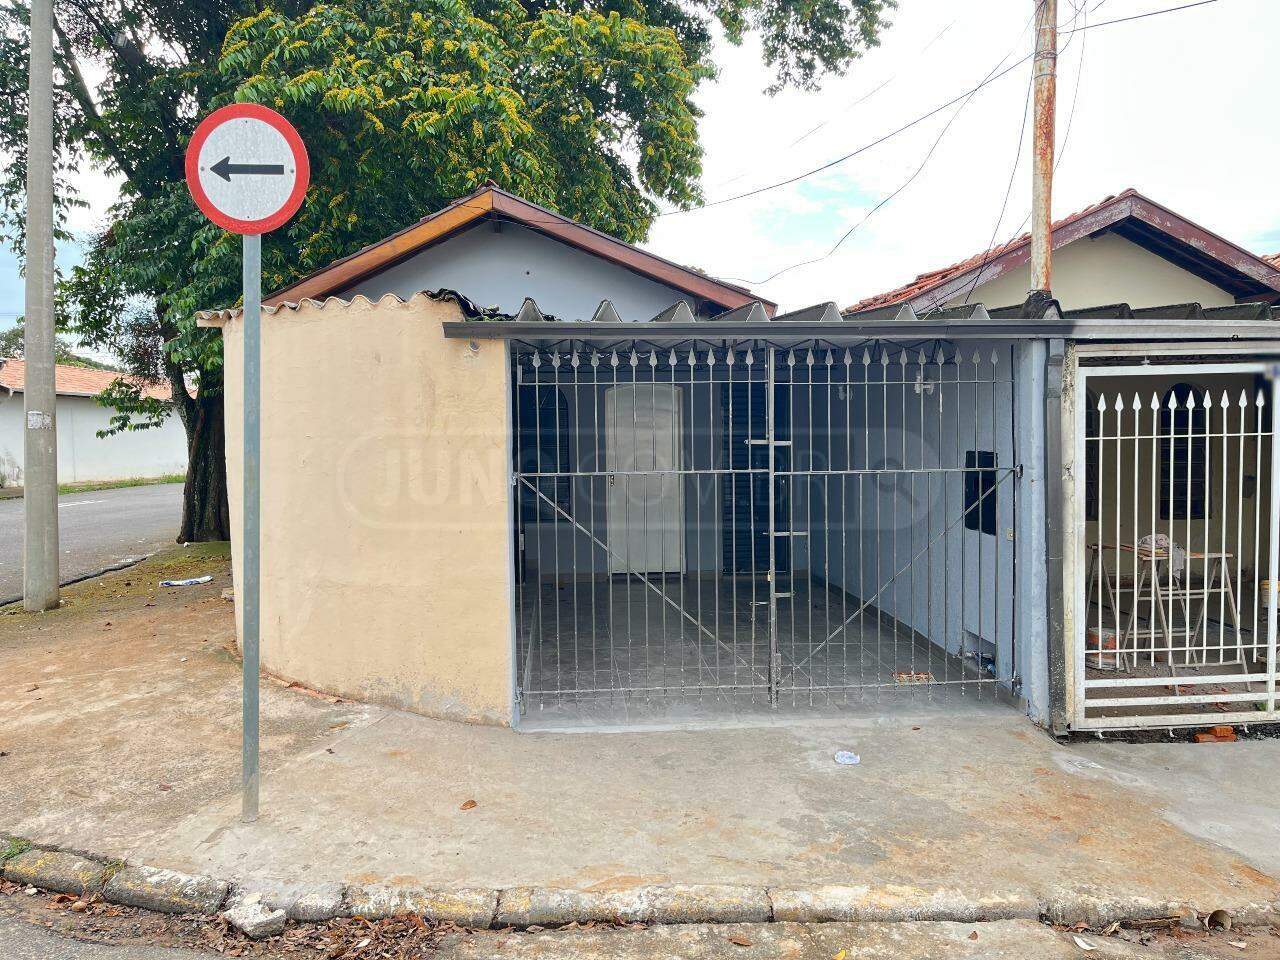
x,y
559,548
902,544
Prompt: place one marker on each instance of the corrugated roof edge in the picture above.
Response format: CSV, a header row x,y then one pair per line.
x,y
470,310
1037,318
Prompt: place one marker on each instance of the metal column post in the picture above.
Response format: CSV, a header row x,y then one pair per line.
x,y
770,405
249,773
1273,553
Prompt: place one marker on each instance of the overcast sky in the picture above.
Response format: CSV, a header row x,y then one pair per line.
x,y
1179,106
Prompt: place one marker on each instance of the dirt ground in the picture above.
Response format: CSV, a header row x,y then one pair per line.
x,y
120,735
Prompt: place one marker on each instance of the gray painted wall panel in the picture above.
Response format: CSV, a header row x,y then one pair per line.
x,y
500,269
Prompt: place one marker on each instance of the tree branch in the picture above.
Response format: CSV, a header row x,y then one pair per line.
x,y
80,90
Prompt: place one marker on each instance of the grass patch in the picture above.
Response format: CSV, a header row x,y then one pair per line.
x,y
179,562
12,847
113,867
92,485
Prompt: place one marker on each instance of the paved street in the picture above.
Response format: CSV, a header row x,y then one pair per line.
x,y
98,529
20,940
1001,940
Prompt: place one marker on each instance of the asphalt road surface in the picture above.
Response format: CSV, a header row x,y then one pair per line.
x,y
96,530
20,940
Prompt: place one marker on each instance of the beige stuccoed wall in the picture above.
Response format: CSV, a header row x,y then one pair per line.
x,y
1102,270
386,572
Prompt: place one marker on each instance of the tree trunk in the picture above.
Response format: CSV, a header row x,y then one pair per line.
x,y
205,514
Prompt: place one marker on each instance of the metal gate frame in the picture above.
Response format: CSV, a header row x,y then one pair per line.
x,y
777,677
1076,638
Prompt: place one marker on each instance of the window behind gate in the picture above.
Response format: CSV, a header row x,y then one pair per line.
x,y
1184,455
544,448
980,491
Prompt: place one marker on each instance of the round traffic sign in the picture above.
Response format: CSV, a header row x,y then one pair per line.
x,y
247,168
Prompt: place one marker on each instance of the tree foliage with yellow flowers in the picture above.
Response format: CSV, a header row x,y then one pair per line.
x,y
404,105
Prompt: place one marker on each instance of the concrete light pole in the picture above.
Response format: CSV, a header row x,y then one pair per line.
x,y
40,448
1045,68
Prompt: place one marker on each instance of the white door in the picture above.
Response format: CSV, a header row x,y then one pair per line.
x,y
645,507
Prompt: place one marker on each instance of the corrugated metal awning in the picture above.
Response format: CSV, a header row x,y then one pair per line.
x,y
1112,322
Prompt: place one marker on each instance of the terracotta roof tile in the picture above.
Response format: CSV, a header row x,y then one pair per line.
x,y
492,201
72,381
1273,259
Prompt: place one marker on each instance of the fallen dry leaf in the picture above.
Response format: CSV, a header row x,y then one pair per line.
x,y
974,935
840,955
739,939
469,805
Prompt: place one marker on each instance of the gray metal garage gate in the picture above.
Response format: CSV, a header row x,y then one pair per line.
x,y
728,522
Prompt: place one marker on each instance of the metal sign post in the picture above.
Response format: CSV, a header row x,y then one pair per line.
x,y
247,170
250,776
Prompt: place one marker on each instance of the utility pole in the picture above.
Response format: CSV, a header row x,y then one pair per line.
x,y
1045,79
40,447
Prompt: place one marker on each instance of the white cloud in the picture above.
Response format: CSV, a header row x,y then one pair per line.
x,y
1174,105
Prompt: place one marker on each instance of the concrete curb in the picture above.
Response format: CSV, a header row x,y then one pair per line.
x,y
165,891
675,903
822,904
168,891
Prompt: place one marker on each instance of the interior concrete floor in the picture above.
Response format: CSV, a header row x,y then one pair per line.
x,y
1215,653
621,650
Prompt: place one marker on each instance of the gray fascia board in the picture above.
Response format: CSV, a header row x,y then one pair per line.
x,y
1118,330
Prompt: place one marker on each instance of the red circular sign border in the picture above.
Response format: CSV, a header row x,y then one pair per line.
x,y
302,166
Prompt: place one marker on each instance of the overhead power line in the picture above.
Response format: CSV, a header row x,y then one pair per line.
x,y
969,93
890,197
756,191
987,81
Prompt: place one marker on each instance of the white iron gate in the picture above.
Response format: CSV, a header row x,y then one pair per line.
x,y
1176,520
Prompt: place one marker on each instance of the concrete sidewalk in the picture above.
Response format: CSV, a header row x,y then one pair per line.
x,y
122,729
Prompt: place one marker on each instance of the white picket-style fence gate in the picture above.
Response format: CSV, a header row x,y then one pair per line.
x,y
1176,512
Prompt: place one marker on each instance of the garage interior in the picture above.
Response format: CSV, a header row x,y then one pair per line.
x,y
714,529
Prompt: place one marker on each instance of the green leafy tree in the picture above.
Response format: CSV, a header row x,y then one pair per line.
x,y
404,106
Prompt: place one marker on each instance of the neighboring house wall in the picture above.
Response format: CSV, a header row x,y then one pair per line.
x,y
501,268
83,456
1101,270
386,505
